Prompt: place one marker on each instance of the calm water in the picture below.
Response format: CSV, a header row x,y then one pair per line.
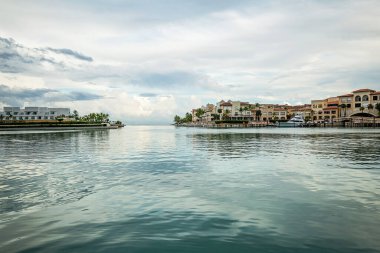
x,y
162,189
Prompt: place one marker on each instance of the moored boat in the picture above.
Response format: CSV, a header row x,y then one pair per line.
x,y
296,121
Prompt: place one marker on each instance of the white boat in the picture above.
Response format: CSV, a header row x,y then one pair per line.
x,y
296,121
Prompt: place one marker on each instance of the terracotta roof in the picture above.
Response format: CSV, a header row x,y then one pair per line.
x,y
279,109
376,93
226,104
347,95
363,90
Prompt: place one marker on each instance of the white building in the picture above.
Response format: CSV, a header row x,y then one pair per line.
x,y
34,113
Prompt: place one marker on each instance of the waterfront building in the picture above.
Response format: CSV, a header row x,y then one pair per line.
x,y
266,112
361,99
233,110
325,109
359,103
280,113
241,111
34,113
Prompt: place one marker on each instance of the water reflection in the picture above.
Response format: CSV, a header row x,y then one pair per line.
x,y
190,190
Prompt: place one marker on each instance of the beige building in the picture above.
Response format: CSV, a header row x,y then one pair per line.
x,y
325,109
358,103
362,99
235,110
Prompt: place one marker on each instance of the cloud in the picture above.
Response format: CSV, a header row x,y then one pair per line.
x,y
148,95
16,58
72,53
194,52
19,96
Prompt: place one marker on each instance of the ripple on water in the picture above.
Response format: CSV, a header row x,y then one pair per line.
x,y
164,189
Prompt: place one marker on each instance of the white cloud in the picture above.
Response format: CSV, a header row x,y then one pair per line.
x,y
265,52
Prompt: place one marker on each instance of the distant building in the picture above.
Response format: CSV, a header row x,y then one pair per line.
x,y
358,103
34,113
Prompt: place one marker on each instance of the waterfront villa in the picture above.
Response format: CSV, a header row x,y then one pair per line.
x,y
358,103
34,113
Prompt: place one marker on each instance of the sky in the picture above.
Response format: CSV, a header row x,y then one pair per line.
x,y
144,61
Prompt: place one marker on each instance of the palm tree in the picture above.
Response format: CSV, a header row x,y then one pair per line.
x,y
199,113
177,119
370,107
362,109
344,106
76,114
312,115
258,115
226,114
377,107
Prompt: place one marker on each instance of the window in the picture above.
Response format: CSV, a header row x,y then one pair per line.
x,y
357,105
375,97
365,98
348,105
33,117
333,112
15,113
327,112
319,106
358,99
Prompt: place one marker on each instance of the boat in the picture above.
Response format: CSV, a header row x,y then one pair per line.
x,y
296,121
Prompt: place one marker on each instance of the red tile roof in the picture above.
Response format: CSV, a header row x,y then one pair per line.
x,y
226,104
363,90
347,95
376,93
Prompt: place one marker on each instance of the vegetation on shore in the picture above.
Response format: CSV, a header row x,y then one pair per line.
x,y
94,119
186,119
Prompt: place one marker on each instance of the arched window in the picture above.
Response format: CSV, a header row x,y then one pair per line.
x,y
358,99
365,98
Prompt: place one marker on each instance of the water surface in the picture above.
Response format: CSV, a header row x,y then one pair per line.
x,y
166,189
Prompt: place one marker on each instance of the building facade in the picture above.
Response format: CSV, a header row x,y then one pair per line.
x,y
360,102
34,113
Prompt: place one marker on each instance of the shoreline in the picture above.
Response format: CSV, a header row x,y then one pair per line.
x,y
271,125
55,126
